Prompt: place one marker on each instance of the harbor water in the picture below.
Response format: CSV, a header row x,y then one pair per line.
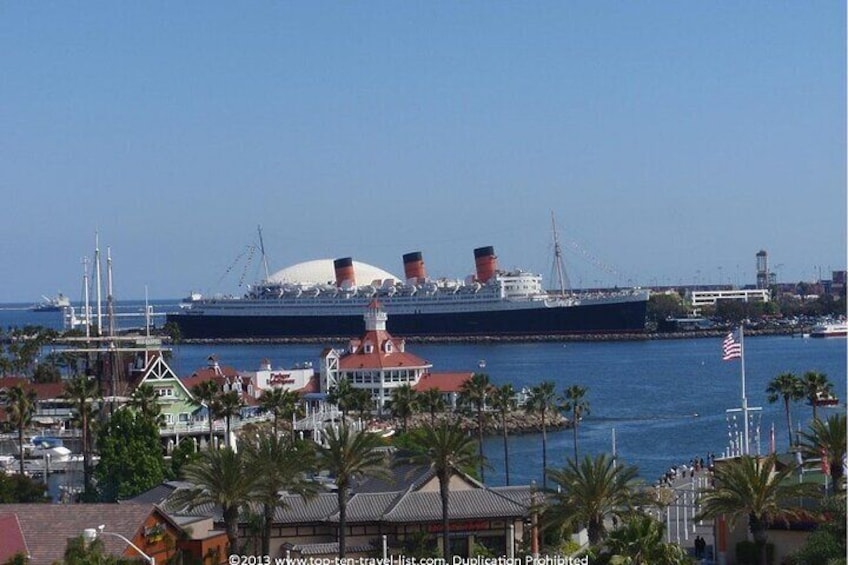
x,y
665,400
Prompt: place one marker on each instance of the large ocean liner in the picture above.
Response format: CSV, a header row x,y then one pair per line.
x,y
295,303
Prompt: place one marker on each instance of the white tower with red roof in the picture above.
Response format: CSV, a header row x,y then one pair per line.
x,y
377,362
375,317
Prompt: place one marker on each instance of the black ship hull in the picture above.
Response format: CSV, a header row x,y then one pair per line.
x,y
603,318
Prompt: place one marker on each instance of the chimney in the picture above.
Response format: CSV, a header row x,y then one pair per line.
x,y
486,262
413,266
344,271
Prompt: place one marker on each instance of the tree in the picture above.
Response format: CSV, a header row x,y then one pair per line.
x,y
221,477
432,401
360,400
349,455
754,489
172,330
281,402
788,387
20,558
447,449
827,543
20,408
574,402
473,393
816,385
46,373
403,403
663,305
21,489
183,454
827,440
341,394
78,551
146,400
82,392
279,465
205,393
131,458
589,492
639,541
542,401
226,406
503,400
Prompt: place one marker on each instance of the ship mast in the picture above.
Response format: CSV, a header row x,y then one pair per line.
x,y
110,300
86,305
262,250
98,283
560,271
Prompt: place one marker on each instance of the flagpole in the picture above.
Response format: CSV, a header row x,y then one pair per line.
x,y
745,445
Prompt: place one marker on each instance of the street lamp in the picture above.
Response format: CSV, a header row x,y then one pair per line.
x,y
91,534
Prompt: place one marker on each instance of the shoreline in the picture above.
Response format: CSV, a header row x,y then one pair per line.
x,y
642,336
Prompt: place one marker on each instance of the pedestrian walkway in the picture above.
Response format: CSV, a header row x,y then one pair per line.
x,y
681,526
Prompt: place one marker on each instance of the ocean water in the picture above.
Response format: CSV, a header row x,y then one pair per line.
x,y
665,399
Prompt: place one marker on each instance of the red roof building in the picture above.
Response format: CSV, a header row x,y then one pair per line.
x,y
51,410
378,362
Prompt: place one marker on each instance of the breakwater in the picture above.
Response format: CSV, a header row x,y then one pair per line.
x,y
612,337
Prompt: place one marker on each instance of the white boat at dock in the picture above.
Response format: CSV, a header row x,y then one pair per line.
x,y
834,329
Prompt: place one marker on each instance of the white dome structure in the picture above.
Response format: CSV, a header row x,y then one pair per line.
x,y
321,271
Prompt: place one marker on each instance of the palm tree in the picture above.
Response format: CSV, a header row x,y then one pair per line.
x,y
228,405
279,465
340,394
146,400
282,403
473,393
573,402
788,387
432,401
542,400
360,400
639,541
816,385
588,493
349,455
221,477
20,407
827,440
755,490
447,449
503,400
205,393
403,404
82,391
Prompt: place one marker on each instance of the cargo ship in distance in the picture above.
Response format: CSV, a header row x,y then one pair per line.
x,y
490,303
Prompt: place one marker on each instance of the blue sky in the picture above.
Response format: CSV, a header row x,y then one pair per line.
x,y
672,140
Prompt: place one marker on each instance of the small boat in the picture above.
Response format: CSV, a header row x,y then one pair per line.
x,y
834,329
825,399
55,304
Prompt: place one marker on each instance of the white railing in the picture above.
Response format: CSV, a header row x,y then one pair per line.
x,y
218,426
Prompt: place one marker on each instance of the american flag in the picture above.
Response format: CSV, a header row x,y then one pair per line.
x,y
732,347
